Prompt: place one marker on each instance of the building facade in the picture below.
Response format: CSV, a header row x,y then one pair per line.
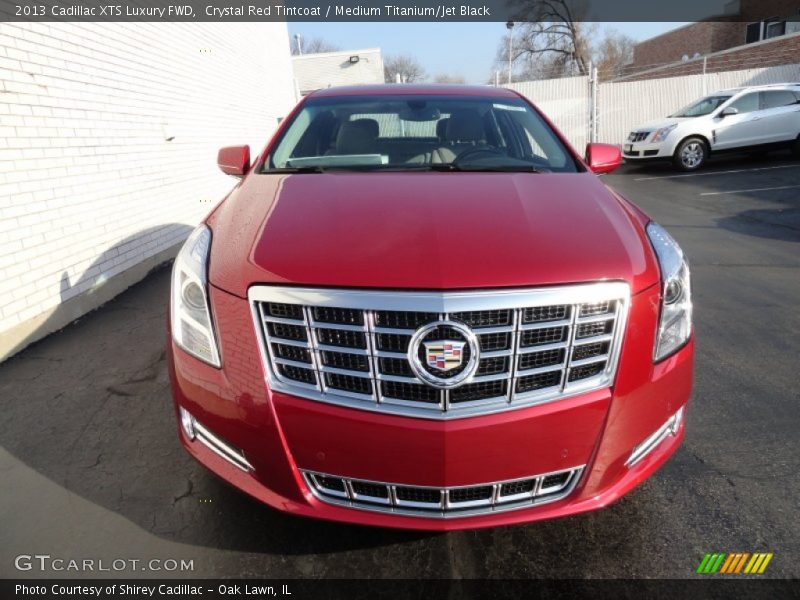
x,y
330,69
745,22
108,141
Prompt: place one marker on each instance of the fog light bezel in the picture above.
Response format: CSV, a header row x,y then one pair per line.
x,y
669,429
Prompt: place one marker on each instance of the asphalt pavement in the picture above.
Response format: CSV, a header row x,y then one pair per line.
x,y
91,466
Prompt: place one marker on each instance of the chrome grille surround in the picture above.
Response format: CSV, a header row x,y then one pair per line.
x,y
541,320
443,502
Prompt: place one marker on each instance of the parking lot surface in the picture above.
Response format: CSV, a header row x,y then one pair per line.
x,y
92,468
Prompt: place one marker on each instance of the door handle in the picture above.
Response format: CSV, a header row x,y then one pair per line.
x,y
756,119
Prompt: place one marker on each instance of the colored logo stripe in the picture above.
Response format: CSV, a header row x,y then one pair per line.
x,y
737,562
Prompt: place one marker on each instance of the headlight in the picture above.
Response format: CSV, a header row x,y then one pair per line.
x,y
192,328
675,323
661,134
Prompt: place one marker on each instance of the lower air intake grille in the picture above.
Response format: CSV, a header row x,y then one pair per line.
x,y
522,347
444,502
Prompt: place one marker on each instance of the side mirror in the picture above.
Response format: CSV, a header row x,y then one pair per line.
x,y
603,158
729,111
234,160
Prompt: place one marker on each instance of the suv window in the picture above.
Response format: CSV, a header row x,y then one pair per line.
x,y
777,98
747,103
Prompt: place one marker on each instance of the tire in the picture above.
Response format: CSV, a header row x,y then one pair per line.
x,y
796,148
690,154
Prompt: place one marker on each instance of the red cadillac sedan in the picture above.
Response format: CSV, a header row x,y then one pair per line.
x,y
421,308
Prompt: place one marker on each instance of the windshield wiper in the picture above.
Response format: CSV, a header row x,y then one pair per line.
x,y
445,167
484,169
314,169
504,169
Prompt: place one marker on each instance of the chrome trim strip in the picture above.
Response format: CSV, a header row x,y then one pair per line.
x,y
670,428
441,304
446,508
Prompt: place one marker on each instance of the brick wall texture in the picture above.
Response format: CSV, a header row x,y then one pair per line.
x,y
108,142
768,53
706,37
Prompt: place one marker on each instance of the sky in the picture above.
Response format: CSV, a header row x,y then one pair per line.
x,y
466,49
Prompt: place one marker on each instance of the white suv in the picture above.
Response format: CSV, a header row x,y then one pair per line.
x,y
758,118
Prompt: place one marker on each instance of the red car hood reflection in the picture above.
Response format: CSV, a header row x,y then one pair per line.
x,y
426,231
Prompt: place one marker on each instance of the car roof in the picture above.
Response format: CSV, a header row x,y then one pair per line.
x,y
396,89
751,88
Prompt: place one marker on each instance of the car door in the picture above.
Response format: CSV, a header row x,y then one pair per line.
x,y
741,129
779,115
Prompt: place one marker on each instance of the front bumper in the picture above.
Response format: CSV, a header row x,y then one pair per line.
x,y
641,151
284,437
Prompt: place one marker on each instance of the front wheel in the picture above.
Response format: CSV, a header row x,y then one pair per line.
x,y
690,154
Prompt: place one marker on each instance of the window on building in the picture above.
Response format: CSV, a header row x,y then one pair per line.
x,y
753,33
777,98
764,30
774,29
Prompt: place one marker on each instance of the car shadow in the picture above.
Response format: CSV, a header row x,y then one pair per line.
x,y
90,409
716,162
774,223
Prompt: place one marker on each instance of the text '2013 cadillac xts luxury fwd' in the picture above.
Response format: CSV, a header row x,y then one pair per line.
x,y
420,308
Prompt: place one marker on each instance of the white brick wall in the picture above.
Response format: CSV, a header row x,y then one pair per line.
x,y
90,184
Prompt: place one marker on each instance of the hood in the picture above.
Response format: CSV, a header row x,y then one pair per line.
x,y
426,231
661,123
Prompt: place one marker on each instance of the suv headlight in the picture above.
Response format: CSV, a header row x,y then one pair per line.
x,y
661,134
192,328
675,322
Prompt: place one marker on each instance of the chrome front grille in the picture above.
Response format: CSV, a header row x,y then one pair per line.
x,y
638,136
353,347
444,502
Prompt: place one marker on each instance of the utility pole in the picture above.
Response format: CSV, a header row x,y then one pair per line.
x,y
705,78
510,27
299,41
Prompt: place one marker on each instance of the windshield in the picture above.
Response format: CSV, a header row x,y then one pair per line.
x,y
702,107
418,132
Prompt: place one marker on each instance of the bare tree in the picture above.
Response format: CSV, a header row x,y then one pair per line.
x,y
407,67
551,41
613,54
445,78
312,46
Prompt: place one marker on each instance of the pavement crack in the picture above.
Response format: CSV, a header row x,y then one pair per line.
x,y
116,391
716,470
185,494
459,554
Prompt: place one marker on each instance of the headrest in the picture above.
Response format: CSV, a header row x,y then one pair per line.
x,y
441,128
357,137
465,126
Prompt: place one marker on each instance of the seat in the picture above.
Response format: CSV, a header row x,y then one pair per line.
x,y
356,137
464,129
441,129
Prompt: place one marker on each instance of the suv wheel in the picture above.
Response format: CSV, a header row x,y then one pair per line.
x,y
690,154
796,148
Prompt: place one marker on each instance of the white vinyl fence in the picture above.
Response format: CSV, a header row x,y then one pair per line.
x,y
625,105
565,101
